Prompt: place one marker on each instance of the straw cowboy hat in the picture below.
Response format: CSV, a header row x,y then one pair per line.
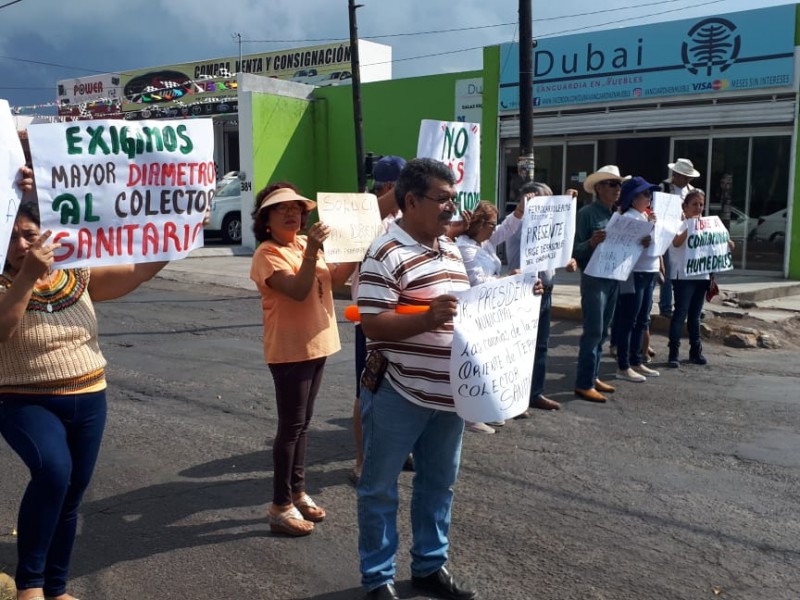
x,y
602,174
286,195
683,166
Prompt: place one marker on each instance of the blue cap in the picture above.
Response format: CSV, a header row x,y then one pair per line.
x,y
387,169
632,188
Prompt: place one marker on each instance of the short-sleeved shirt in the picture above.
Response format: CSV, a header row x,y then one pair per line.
x,y
294,331
399,271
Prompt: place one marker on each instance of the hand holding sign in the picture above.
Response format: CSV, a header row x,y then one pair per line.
x,y
39,258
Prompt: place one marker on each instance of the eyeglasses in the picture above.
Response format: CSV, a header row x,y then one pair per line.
x,y
612,183
285,207
442,199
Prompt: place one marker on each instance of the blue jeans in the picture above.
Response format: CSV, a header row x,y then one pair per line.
x,y
540,360
598,300
393,427
633,318
665,298
690,295
58,438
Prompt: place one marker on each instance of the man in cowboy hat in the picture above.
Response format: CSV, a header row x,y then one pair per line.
x,y
598,295
682,172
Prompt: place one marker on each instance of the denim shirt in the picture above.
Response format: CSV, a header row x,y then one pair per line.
x,y
590,218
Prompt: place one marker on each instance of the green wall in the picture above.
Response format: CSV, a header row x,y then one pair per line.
x,y
284,142
392,111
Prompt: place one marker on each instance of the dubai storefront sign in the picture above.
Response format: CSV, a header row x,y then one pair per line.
x,y
706,55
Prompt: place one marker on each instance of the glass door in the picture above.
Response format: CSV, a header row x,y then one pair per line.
x,y
746,180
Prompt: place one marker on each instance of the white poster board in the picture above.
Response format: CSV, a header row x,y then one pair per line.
x,y
494,342
355,222
707,248
116,192
548,233
11,159
668,210
615,257
458,145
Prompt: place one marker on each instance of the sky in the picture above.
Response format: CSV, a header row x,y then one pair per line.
x,y
42,41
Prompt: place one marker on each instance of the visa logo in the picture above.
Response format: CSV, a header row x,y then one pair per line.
x,y
716,85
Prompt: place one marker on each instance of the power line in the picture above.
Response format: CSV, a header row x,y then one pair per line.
x,y
664,12
2,6
477,27
549,35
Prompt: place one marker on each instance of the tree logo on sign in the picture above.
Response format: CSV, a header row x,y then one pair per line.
x,y
713,44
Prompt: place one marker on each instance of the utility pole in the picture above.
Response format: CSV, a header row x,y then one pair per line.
x,y
239,36
357,118
525,162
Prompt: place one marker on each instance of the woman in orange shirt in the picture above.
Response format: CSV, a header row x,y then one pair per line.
x,y
300,332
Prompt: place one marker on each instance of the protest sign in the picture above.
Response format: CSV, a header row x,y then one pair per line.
x,y
355,222
707,249
458,145
116,192
548,232
494,342
11,159
668,211
614,258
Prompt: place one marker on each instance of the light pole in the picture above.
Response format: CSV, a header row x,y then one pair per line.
x,y
239,36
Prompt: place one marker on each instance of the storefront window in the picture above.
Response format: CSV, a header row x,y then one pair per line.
x,y
548,169
749,178
769,192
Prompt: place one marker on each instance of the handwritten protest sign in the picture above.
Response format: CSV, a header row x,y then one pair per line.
x,y
614,258
355,222
548,232
667,208
494,342
707,248
11,159
458,145
120,192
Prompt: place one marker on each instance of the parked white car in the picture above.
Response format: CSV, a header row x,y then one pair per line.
x,y
772,227
741,226
226,210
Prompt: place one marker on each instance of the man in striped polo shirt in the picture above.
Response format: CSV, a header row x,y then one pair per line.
x,y
411,407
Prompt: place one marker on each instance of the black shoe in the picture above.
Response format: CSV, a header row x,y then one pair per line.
x,y
384,592
666,313
444,585
409,464
696,354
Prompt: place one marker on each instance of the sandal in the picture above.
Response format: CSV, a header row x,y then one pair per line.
x,y
290,522
309,509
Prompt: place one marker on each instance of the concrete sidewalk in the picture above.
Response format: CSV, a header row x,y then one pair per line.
x,y
764,297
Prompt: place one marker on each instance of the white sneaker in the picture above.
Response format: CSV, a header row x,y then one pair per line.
x,y
630,375
646,371
482,427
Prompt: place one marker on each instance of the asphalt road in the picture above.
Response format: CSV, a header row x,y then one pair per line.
x,y
685,487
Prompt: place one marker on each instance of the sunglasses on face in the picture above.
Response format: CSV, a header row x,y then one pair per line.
x,y
611,183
